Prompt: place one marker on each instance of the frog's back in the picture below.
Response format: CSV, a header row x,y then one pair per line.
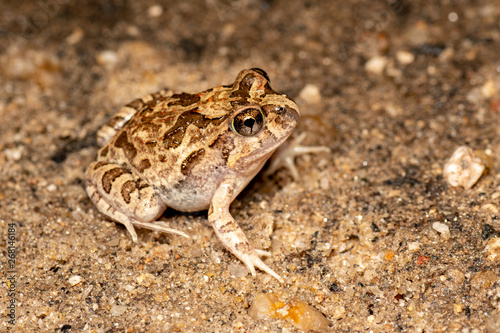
x,y
168,136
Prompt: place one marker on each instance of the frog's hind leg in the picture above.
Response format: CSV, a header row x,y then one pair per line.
x,y
116,122
121,195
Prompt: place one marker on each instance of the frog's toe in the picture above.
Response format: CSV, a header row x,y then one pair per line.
x,y
159,226
262,253
286,153
252,260
131,230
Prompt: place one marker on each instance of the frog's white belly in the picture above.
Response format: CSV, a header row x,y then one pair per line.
x,y
198,193
189,198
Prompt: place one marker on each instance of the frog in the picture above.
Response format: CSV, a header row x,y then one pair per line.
x,y
191,152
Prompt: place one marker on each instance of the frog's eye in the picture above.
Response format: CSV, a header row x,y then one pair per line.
x,y
248,122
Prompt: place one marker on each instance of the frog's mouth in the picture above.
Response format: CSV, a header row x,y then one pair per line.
x,y
255,158
250,164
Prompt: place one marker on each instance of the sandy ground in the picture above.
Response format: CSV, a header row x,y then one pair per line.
x,y
371,235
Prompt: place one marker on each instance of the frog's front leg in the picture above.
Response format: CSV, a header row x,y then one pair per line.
x,y
123,196
230,234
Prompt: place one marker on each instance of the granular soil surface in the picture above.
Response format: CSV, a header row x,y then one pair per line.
x,y
370,235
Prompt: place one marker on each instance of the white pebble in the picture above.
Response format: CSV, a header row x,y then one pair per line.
x,y
74,280
118,310
488,89
412,246
464,168
14,154
440,227
405,57
155,11
310,94
107,58
376,65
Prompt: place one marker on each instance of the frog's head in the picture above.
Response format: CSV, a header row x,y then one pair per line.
x,y
260,122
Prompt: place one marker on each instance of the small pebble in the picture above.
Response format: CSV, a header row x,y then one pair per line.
x,y
155,11
74,280
339,312
389,255
492,249
465,167
455,276
265,306
488,89
376,65
493,209
307,318
319,297
405,57
14,154
145,279
117,310
310,94
76,36
440,227
107,58
301,314
431,70
412,246
458,308
483,279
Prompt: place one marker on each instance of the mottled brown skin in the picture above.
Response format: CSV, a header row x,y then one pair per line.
x,y
190,152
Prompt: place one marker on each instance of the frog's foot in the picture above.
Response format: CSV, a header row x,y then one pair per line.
x,y
286,153
234,240
128,222
252,260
